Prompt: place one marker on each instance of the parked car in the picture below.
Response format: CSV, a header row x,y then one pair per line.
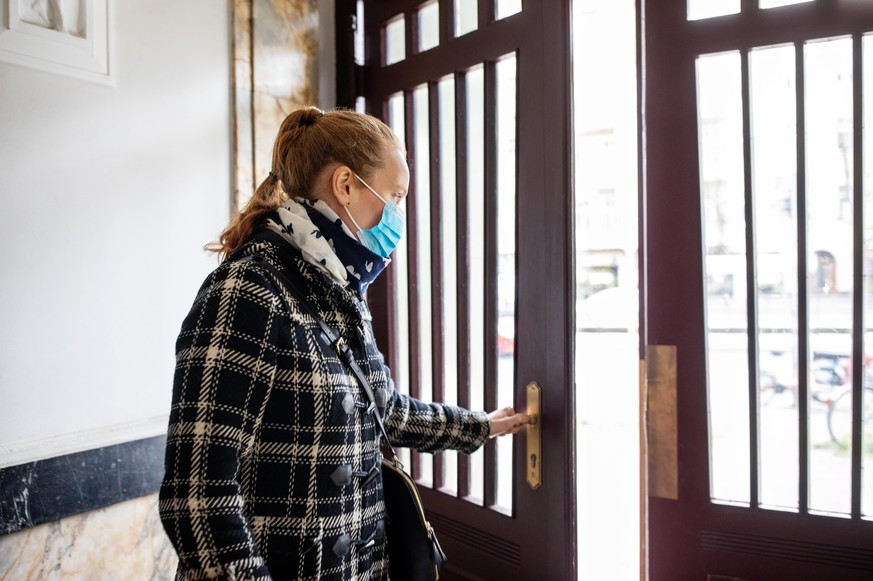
x,y
615,308
505,335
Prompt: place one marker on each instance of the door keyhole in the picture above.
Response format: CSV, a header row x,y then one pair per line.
x,y
533,460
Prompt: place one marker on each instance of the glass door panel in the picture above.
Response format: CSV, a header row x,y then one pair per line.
x,y
507,95
779,272
475,128
774,183
449,264
466,16
721,182
701,9
505,8
829,171
394,39
778,3
867,416
423,275
428,18
397,121
459,262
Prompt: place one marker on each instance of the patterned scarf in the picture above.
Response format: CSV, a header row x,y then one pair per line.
x,y
326,242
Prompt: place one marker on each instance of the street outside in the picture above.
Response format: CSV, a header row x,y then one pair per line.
x,y
608,455
607,371
829,463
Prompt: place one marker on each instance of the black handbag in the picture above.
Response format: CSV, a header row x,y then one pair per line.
x,y
414,553
413,549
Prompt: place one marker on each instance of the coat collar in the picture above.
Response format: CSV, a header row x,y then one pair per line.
x,y
340,306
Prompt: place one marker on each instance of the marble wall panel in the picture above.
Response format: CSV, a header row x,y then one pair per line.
x,y
243,135
276,72
120,541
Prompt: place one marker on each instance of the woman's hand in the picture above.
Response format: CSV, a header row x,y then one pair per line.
x,y
506,421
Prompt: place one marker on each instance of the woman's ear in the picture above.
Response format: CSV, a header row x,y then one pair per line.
x,y
341,184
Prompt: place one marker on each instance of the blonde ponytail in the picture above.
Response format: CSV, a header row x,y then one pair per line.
x,y
308,140
267,197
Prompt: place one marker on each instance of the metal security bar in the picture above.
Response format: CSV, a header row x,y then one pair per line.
x,y
858,351
751,282
490,270
436,246
463,252
802,288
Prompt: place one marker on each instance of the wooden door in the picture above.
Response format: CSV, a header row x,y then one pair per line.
x,y
478,302
757,251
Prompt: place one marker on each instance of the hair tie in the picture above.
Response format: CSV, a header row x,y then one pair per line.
x,y
273,176
309,116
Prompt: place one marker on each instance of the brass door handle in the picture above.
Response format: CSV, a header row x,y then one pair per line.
x,y
534,436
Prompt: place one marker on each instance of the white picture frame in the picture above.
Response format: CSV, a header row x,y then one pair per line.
x,y
66,37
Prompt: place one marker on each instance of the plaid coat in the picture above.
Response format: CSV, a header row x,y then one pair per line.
x,y
272,461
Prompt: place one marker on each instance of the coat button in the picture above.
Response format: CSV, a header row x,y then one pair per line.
x,y
381,397
342,545
379,535
348,403
342,476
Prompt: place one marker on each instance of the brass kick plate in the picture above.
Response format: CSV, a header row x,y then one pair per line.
x,y
534,436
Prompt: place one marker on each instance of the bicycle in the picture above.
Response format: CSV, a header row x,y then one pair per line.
x,y
840,417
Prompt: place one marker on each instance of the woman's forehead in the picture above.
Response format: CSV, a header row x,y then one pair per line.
x,y
394,169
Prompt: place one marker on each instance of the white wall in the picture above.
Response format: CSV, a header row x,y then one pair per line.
x,y
106,198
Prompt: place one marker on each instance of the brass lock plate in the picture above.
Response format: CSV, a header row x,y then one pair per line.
x,y
534,454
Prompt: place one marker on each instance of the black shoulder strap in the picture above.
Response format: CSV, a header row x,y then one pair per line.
x,y
336,340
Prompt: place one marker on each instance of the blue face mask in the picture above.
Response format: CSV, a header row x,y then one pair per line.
x,y
382,238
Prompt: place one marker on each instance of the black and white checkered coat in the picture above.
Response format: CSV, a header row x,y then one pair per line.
x,y
272,454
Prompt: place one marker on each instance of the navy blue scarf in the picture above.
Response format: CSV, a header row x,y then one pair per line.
x,y
363,264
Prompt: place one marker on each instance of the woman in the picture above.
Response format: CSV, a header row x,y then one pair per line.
x,y
272,464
